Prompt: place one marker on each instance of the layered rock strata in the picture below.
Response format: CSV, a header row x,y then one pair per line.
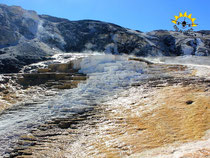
x,y
158,117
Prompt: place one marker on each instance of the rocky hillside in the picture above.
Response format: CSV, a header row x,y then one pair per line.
x,y
26,37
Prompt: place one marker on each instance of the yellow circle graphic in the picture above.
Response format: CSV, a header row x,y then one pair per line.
x,y
186,16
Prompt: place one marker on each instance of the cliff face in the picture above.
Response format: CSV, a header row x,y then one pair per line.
x,y
26,37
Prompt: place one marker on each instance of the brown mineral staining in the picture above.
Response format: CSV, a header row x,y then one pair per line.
x,y
172,121
6,100
159,118
202,153
162,117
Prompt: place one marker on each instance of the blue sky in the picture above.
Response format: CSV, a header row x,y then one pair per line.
x,y
143,15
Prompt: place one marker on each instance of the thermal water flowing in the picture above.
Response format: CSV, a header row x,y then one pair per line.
x,y
107,75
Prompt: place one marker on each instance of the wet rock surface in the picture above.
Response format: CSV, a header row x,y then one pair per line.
x,y
61,76
25,92
117,129
46,133
30,88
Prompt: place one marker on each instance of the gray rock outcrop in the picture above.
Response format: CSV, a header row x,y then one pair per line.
x,y
26,37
